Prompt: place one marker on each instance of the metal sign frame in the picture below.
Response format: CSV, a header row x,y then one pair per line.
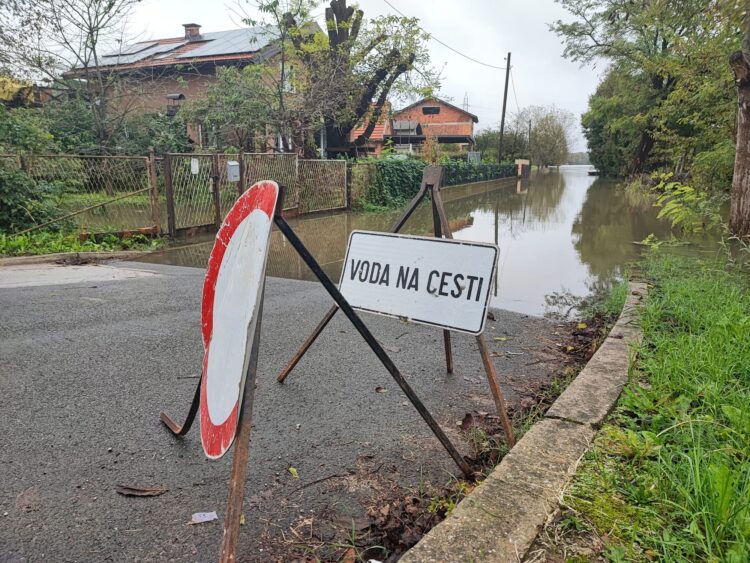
x,y
431,185
244,421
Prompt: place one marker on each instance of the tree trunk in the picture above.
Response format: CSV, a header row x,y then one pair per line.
x,y
642,153
739,210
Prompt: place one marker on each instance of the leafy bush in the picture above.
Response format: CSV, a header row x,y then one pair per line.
x,y
23,201
24,130
397,179
713,170
686,207
45,242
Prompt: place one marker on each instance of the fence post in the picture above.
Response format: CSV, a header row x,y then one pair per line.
x,y
215,185
169,193
155,207
241,185
347,184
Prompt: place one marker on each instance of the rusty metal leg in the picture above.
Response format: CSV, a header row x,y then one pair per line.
x,y
448,351
372,342
332,311
497,394
240,454
176,429
307,343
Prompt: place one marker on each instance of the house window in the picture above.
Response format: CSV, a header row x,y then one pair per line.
x,y
430,110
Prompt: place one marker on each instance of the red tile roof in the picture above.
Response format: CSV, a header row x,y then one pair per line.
x,y
382,127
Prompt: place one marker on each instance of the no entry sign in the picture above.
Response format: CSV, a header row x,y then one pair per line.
x,y
231,300
438,282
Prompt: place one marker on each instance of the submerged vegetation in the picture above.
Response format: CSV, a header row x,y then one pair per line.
x,y
669,474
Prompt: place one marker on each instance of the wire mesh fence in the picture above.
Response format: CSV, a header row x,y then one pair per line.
x,y
202,193
321,185
178,191
281,168
97,193
192,189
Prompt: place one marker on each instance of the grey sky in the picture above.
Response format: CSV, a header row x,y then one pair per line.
x,y
483,29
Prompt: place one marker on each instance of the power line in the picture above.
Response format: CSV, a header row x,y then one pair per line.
x,y
445,44
513,84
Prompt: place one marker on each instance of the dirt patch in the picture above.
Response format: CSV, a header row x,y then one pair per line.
x,y
394,517
78,260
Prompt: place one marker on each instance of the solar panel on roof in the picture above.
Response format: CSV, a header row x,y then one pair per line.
x,y
154,49
230,42
132,49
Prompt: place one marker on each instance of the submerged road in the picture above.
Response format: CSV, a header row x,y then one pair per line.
x,y
89,356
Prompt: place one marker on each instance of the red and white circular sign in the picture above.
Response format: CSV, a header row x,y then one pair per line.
x,y
229,314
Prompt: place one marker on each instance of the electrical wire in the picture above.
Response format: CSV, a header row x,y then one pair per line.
x,y
513,84
445,44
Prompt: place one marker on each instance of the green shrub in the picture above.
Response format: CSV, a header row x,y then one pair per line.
x,y
397,179
24,202
713,170
45,242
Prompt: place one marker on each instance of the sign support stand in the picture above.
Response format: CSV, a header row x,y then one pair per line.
x,y
244,424
431,181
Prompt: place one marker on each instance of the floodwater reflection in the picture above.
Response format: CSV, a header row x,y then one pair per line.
x,y
563,231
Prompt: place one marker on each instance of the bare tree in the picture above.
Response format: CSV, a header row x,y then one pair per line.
x,y
739,211
61,43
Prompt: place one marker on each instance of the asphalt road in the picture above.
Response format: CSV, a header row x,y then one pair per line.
x,y
86,366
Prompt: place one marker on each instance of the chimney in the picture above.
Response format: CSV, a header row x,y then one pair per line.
x,y
192,31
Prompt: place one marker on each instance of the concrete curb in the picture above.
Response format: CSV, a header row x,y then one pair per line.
x,y
501,518
49,258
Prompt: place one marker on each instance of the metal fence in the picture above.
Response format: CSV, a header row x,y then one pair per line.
x,y
98,193
177,192
199,194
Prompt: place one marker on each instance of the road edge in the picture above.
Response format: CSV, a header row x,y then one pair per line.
x,y
501,518
72,256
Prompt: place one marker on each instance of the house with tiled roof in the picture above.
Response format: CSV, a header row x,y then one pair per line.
x,y
409,127
432,117
164,72
374,143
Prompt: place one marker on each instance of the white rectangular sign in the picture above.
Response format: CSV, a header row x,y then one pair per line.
x,y
432,281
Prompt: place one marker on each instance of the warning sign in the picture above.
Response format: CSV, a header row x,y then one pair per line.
x,y
438,282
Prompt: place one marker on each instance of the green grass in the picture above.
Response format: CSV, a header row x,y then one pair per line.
x,y
45,242
78,200
669,475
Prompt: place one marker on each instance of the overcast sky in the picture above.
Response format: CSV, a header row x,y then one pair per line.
x,y
482,29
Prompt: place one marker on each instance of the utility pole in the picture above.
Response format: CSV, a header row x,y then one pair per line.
x,y
502,117
529,143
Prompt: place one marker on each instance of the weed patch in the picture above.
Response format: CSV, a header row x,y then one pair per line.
x,y
669,474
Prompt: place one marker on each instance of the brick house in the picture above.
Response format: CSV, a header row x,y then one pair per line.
x,y
184,65
158,75
432,117
408,128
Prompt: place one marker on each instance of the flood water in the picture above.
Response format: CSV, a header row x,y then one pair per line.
x,y
559,232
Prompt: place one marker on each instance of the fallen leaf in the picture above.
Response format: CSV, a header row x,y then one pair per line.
x,y
569,348
380,389
350,556
293,472
128,491
582,325
500,338
242,519
29,500
201,517
490,315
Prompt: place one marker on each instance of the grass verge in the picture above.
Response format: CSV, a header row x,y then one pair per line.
x,y
668,477
45,242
